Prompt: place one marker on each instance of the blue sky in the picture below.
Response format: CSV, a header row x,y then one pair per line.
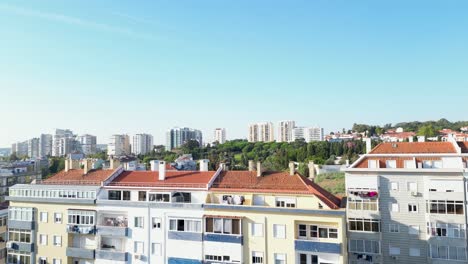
x,y
105,67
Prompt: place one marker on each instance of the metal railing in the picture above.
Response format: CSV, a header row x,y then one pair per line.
x,y
158,184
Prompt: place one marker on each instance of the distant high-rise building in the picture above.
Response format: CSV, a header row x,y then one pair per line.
x,y
308,134
64,143
177,136
87,144
45,145
285,129
119,145
142,144
33,148
261,132
220,135
20,148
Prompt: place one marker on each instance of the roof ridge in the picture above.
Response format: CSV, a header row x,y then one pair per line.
x,y
325,195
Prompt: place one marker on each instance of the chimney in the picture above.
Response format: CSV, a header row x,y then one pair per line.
x,y
347,163
204,164
251,165
368,145
410,139
259,169
67,165
223,166
421,139
292,168
74,164
162,170
154,164
311,170
114,163
87,166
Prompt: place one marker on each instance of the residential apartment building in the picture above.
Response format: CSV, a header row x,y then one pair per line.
x,y
309,134
3,232
178,136
33,148
119,145
142,144
220,135
168,216
285,131
261,132
87,144
407,203
64,143
20,148
45,145
18,172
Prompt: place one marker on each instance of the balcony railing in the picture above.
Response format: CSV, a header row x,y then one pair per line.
x,y
81,229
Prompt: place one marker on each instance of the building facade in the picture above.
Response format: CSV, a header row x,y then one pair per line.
x,y
261,132
177,136
142,144
87,144
220,135
45,145
64,143
309,134
119,145
285,131
33,148
407,204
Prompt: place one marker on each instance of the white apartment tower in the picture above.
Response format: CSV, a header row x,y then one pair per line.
x,y
45,145
220,135
63,143
142,144
308,134
285,131
261,132
33,148
119,145
178,136
87,143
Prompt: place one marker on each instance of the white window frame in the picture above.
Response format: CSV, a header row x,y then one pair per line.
x,y
57,240
394,251
394,207
394,228
279,231
280,258
256,229
156,249
391,164
287,202
137,249
43,239
394,186
156,222
258,257
58,218
139,222
44,216
413,208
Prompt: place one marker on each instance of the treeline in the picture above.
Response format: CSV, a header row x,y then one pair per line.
x,y
274,155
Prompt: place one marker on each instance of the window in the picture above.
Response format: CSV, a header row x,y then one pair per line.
x,y
126,195
373,164
279,231
58,218
446,230
19,235
156,222
42,260
445,207
366,225
413,230
364,246
315,231
394,250
19,257
115,195
427,164
142,196
285,202
257,257
362,204
156,249
78,217
410,164
58,241
21,213
159,197
394,207
391,164
412,208
257,230
412,187
185,225
217,258
139,222
222,225
302,231
394,186
394,228
448,252
139,247
44,217
56,261
414,252
280,258
43,239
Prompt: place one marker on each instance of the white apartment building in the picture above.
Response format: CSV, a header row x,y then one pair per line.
x,y
33,148
220,135
20,148
309,134
407,203
142,144
119,145
64,142
261,132
45,145
285,131
87,144
178,136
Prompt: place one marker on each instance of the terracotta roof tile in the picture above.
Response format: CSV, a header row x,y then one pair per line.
x,y
276,182
195,179
77,177
413,148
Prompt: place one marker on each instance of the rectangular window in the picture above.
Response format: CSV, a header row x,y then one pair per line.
x,y
412,208
159,197
185,225
415,252
394,228
44,216
279,231
156,222
56,261
43,239
156,249
373,164
280,258
445,207
394,207
412,187
362,204
365,225
257,229
257,257
126,195
78,217
57,241
391,164
393,251
42,260
58,218
19,235
139,222
394,186
285,202
115,195
364,246
139,247
142,196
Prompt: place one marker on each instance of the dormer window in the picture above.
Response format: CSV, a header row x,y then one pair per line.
x,y
372,164
391,164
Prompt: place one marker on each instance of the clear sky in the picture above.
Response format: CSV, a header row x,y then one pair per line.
x,y
104,67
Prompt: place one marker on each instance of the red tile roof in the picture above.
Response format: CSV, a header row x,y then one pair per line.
x,y
413,148
276,182
77,177
189,179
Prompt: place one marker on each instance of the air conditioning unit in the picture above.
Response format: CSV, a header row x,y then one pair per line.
x,y
414,193
138,256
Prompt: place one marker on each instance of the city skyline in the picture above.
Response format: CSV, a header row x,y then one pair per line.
x,y
318,63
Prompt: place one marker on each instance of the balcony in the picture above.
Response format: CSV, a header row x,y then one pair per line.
x,y
113,226
20,246
28,225
111,255
80,253
314,246
213,237
81,229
